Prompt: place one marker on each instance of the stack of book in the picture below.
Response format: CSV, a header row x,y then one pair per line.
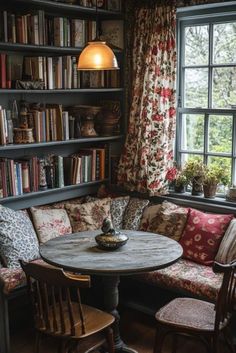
x,y
6,127
85,166
38,29
34,174
58,72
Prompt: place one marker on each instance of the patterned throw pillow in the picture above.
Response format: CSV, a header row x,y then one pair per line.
x,y
90,215
227,249
50,223
18,239
134,213
148,214
118,207
203,234
170,220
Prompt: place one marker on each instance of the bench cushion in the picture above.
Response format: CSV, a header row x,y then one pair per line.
x,y
187,277
13,278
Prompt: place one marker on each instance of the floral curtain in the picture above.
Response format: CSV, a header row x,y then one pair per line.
x,y
148,151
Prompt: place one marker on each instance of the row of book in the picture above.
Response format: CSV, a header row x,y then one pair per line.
x,y
113,5
58,72
38,29
18,177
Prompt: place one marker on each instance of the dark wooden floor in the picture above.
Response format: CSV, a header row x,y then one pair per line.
x,y
137,330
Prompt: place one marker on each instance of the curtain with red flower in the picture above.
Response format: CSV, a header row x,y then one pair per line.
x,y
148,151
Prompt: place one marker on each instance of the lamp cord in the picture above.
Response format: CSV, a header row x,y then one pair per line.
x,y
97,19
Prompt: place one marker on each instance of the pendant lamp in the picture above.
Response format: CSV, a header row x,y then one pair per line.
x,y
97,55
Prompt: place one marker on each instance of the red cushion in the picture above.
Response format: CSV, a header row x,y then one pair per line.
x,y
202,235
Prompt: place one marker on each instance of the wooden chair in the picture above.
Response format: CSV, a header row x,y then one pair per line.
x,y
200,319
58,311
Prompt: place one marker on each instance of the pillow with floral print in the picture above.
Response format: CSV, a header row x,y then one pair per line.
x,y
134,213
202,235
50,223
18,239
149,213
89,215
170,220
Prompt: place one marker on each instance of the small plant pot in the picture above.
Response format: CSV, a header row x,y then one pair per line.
x,y
180,189
209,191
197,188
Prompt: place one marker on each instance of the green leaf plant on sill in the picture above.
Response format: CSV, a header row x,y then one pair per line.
x,y
213,176
207,179
194,171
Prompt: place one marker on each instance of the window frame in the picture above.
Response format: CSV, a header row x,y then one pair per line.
x,y
199,15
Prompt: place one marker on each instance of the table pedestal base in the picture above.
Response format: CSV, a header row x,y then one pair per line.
x,y
110,303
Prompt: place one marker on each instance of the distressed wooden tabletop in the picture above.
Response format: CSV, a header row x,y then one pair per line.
x,y
143,252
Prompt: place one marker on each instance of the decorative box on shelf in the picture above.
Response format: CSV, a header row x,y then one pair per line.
x,y
23,135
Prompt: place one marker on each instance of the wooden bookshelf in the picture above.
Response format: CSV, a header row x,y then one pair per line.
x,y
65,97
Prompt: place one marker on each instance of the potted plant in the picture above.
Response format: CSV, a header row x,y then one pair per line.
x,y
194,170
180,182
214,175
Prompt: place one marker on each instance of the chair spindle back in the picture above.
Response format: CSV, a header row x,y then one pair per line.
x,y
53,294
227,294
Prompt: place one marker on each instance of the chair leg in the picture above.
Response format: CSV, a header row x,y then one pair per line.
x,y
63,346
110,340
37,341
159,339
229,340
174,343
4,324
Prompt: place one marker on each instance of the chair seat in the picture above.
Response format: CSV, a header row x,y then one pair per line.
x,y
102,321
188,313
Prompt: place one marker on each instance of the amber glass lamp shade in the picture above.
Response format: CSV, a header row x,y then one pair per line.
x,y
97,56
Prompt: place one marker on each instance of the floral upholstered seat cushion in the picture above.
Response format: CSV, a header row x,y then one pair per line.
x,y
12,278
187,277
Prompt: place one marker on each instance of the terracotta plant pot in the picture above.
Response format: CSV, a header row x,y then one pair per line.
x,y
209,190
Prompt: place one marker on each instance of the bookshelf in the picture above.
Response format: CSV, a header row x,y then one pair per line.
x,y
13,154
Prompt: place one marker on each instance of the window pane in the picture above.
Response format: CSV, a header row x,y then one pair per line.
x,y
192,132
196,45
196,88
226,164
185,157
224,47
224,87
220,133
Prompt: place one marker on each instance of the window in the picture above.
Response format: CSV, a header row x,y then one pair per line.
x,y
206,123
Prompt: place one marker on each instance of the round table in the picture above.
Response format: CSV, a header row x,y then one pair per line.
x,y
142,253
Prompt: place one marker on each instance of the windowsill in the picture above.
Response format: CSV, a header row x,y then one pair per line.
x,y
217,201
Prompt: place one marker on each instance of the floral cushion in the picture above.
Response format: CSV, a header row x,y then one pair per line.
x,y
170,220
203,234
50,223
118,207
187,277
133,213
90,215
148,214
12,278
18,239
227,250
